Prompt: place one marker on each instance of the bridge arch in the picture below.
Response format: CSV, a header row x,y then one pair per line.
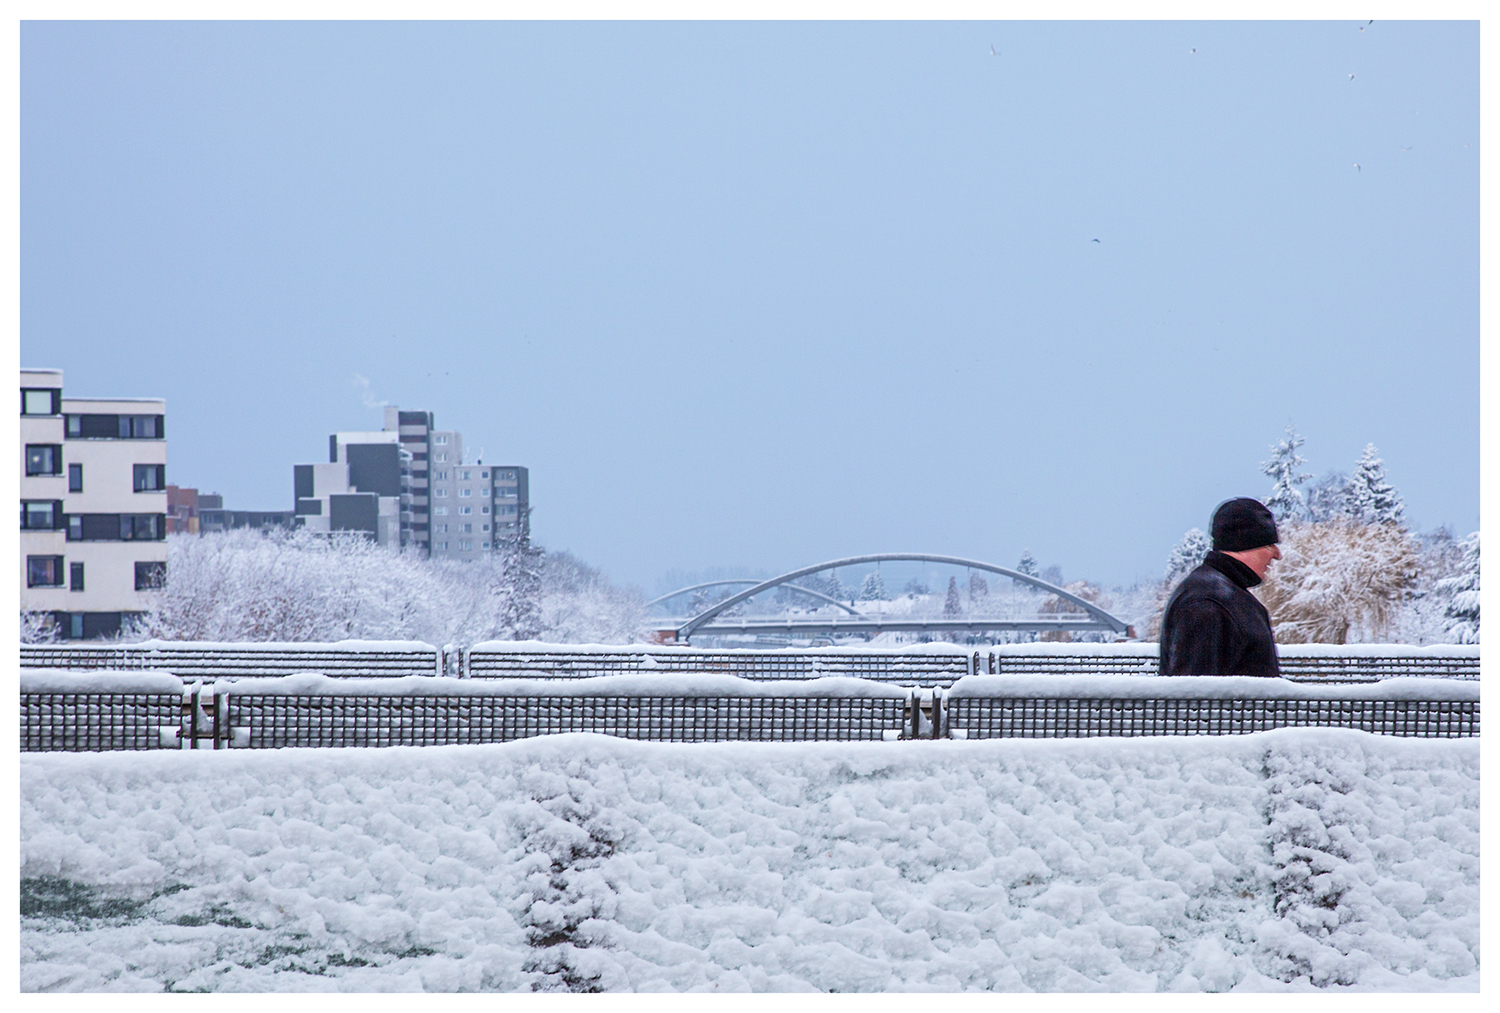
x,y
790,587
1102,617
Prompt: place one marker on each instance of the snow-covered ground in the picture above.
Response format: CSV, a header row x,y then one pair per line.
x,y
1291,860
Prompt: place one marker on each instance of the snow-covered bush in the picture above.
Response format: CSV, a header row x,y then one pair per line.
x,y
242,586
1461,614
1338,578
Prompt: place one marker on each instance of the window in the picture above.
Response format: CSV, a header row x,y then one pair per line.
x,y
116,427
443,546
484,509
465,492
465,545
440,511
150,477
442,457
41,401
116,527
485,491
439,476
150,575
75,576
442,529
139,427
484,474
465,475
41,515
43,459
440,440
505,510
44,571
507,475
468,529
484,527
465,509
75,478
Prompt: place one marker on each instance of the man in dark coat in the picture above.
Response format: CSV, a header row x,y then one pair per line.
x,y
1213,624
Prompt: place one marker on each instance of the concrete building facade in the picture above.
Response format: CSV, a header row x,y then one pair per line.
x,y
93,506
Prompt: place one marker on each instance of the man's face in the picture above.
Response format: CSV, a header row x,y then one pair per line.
x,y
1259,559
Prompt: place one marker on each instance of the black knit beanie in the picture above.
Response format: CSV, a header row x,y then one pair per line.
x,y
1241,524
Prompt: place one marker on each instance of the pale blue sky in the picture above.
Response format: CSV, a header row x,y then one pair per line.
x,y
765,294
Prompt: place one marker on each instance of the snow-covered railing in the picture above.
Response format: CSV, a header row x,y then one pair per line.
x,y
920,665
64,710
206,659
1299,662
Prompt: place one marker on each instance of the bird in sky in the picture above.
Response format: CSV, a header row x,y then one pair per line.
x,y
1367,24
1357,168
992,50
1193,50
1406,148
1096,241
1351,77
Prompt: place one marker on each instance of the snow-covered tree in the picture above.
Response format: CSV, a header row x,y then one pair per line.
x,y
1028,566
1339,578
1461,615
1328,498
979,588
37,628
873,589
915,588
1370,498
1187,555
1284,468
952,604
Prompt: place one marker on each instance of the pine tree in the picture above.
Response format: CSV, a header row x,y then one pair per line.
x,y
979,588
952,605
1028,566
873,588
1286,501
1188,554
1461,616
1328,498
915,588
1371,499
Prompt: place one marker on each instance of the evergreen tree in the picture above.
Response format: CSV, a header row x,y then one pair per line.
x,y
979,588
916,588
1286,501
1028,566
1188,554
1328,498
1371,499
873,588
952,606
1461,616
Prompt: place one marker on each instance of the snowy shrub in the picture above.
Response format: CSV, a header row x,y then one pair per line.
x,y
297,587
1461,614
1339,577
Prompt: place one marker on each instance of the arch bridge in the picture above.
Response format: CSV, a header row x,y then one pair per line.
x,y
1092,618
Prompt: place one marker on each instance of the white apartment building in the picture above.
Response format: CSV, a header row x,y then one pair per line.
x,y
93,506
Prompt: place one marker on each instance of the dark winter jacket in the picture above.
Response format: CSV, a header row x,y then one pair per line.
x,y
1215,626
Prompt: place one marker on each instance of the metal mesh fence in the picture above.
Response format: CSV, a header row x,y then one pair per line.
x,y
276,721
193,661
907,669
96,722
1037,718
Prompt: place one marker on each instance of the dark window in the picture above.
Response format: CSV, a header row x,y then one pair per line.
x,y
75,478
302,481
414,419
43,459
117,427
310,506
419,457
44,571
75,626
41,515
95,625
41,401
75,576
150,477
116,527
150,576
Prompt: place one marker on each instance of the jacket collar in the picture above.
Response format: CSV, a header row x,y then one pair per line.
x,y
1232,568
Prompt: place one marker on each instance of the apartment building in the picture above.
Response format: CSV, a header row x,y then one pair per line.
x,y
195,513
414,433
477,508
93,506
361,488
